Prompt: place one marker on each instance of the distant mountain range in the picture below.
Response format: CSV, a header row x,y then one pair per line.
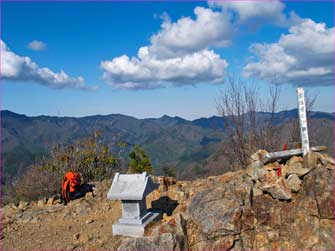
x,y
168,140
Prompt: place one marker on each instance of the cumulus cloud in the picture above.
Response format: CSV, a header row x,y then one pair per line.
x,y
19,68
178,54
255,12
147,72
36,45
304,56
187,35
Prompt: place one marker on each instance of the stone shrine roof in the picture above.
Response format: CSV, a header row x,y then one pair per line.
x,y
131,186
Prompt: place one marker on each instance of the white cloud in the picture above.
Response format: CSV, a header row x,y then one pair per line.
x,y
147,72
187,35
37,45
255,12
304,56
178,54
18,68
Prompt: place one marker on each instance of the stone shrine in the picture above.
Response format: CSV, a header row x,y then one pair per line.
x,y
132,190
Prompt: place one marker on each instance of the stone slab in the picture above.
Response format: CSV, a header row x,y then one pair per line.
x,y
131,186
133,230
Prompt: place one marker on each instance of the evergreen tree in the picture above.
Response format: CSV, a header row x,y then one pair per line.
x,y
139,161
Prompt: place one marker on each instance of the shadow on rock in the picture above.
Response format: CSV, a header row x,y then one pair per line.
x,y
165,205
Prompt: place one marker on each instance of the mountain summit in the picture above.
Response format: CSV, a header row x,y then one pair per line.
x,y
257,208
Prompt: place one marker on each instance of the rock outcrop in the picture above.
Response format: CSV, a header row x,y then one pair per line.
x,y
284,205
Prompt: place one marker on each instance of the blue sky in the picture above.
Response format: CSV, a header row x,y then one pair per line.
x,y
78,37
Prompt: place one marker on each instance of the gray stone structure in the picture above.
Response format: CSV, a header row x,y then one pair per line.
x,y
132,190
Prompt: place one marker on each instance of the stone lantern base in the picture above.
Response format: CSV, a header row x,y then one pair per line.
x,y
133,227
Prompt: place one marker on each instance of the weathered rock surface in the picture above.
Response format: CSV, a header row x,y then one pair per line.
x,y
297,168
277,206
165,241
276,186
294,182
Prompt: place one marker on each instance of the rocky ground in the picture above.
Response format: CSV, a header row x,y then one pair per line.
x,y
279,206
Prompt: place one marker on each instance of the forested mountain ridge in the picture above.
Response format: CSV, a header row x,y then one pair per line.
x,y
168,140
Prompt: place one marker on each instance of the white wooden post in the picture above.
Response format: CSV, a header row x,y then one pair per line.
x,y
303,121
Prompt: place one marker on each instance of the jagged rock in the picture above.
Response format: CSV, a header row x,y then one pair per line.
x,y
248,219
166,241
255,170
218,213
51,200
8,212
330,166
267,212
175,225
272,166
23,205
41,202
311,159
220,243
275,185
294,182
259,155
12,205
326,159
256,190
267,240
296,168
294,159
213,215
323,189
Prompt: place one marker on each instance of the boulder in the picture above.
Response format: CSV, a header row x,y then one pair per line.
x,y
259,155
276,186
311,160
165,241
255,170
294,182
214,220
323,187
326,159
272,166
256,190
296,168
23,205
266,212
295,159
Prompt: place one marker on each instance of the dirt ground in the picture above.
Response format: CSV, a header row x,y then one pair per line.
x,y
82,224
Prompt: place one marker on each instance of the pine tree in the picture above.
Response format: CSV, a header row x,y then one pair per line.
x,y
139,161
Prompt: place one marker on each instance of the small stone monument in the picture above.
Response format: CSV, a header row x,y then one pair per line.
x,y
132,190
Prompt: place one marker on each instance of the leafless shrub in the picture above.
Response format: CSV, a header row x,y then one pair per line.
x,y
36,183
245,131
